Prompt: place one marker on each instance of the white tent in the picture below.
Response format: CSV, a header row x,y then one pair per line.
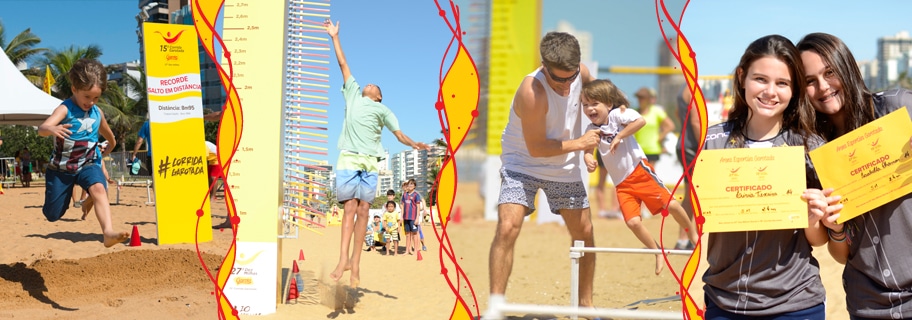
x,y
22,102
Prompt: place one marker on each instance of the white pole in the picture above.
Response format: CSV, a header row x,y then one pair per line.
x,y
630,250
574,275
573,312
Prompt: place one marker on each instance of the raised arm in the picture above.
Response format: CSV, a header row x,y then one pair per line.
x,y
404,139
531,105
333,31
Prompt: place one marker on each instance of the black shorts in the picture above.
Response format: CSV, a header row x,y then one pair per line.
x,y
652,158
410,226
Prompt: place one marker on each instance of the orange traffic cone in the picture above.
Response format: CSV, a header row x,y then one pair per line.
x,y
301,255
294,267
134,238
457,216
419,255
293,290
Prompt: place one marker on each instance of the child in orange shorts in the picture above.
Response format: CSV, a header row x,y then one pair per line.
x,y
626,162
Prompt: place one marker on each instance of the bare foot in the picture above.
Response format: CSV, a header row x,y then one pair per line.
x,y
337,274
115,239
659,264
355,281
85,212
223,225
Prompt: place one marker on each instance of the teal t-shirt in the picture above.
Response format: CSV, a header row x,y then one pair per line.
x,y
364,121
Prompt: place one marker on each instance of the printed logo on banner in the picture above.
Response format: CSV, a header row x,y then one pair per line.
x,y
243,281
247,261
181,166
168,38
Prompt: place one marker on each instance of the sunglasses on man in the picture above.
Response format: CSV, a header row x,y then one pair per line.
x,y
562,80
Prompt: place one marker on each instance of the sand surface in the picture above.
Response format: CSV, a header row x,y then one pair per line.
x,y
61,270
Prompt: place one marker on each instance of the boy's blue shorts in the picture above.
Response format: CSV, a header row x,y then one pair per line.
x,y
59,188
356,177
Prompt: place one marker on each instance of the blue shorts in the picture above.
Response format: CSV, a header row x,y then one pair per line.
x,y
59,188
520,189
356,177
409,226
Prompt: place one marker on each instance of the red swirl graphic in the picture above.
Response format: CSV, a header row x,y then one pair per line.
x,y
457,103
683,53
204,13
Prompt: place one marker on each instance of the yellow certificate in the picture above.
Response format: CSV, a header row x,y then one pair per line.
x,y
869,166
751,189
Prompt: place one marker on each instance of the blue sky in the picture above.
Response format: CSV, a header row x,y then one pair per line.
x,y
396,46
400,47
720,30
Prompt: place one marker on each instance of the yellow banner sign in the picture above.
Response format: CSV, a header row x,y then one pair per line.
x,y
869,166
751,189
178,146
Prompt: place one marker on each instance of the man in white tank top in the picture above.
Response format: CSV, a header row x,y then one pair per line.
x,y
541,150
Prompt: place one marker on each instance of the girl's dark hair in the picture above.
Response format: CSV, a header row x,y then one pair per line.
x,y
390,203
857,101
798,115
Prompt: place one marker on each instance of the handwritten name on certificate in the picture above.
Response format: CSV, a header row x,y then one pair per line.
x,y
751,189
869,166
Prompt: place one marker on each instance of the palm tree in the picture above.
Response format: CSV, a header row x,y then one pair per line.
x,y
120,112
138,85
61,61
21,47
433,169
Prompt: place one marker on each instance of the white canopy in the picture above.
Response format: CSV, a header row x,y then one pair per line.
x,y
22,102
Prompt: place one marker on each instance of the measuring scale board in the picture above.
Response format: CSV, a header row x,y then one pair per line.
x,y
305,120
253,35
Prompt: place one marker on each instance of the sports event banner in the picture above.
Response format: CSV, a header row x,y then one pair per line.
x,y
254,45
179,168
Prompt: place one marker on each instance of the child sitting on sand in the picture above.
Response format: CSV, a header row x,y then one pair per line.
x,y
373,237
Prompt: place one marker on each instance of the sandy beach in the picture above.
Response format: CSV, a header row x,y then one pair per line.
x,y
61,270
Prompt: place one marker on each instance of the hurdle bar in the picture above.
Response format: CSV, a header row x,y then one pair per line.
x,y
574,312
147,183
579,249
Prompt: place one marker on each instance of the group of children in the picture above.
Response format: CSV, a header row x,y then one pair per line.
x,y
384,231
